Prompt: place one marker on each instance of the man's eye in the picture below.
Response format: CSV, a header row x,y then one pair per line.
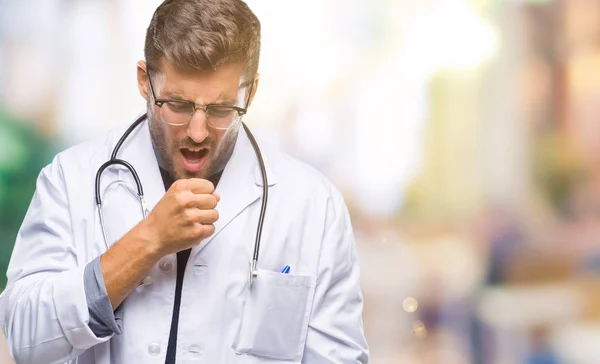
x,y
178,107
221,111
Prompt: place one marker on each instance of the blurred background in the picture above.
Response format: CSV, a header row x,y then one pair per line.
x,y
463,134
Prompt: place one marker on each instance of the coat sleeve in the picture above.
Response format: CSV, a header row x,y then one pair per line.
x,y
335,332
103,320
43,310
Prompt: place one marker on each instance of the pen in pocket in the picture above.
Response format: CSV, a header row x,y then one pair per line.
x,y
285,269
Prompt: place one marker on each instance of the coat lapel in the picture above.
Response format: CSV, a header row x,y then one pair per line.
x,y
240,185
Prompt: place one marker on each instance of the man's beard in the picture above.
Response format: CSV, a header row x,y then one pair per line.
x,y
219,152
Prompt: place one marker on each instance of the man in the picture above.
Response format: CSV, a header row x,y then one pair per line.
x,y
174,287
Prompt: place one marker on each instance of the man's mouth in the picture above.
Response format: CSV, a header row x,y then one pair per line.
x,y
194,158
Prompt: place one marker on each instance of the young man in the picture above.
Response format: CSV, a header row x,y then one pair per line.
x,y
175,287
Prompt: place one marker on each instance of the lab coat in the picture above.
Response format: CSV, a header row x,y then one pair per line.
x,y
311,315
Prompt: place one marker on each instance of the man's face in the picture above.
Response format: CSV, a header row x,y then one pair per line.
x,y
195,150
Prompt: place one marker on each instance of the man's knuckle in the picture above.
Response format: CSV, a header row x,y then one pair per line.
x,y
208,186
209,229
208,217
180,184
189,216
196,230
181,198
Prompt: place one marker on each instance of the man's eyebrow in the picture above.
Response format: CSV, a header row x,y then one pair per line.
x,y
225,102
174,96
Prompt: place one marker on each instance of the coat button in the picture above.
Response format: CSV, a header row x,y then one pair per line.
x,y
165,265
154,349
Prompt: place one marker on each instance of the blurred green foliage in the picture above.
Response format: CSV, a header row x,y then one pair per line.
x,y
24,151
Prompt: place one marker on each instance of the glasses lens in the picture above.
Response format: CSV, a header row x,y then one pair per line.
x,y
176,113
221,117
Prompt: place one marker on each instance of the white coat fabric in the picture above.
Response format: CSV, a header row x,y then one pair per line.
x,y
311,315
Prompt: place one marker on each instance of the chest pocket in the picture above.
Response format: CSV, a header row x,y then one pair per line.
x,y
275,316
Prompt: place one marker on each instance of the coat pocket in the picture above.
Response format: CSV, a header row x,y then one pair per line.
x,y
275,316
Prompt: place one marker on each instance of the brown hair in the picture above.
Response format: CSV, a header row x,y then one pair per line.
x,y
203,34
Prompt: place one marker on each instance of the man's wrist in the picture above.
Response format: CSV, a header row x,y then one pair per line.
x,y
149,241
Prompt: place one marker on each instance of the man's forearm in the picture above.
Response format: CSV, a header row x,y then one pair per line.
x,y
127,262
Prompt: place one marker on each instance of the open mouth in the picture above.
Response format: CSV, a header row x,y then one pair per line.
x,y
193,159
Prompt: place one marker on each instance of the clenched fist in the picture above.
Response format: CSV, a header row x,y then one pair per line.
x,y
184,216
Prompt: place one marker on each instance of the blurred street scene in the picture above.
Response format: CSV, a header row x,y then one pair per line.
x,y
464,135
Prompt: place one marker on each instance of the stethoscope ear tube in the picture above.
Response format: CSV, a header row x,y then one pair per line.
x,y
127,165
263,207
125,135
112,161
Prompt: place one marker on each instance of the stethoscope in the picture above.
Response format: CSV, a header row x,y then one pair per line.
x,y
140,191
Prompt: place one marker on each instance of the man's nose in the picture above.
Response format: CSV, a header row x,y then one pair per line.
x,y
198,128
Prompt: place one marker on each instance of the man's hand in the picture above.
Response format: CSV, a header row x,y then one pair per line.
x,y
184,216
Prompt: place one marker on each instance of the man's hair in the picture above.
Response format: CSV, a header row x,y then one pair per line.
x,y
203,34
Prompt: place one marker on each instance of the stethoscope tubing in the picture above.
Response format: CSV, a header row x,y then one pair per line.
x,y
140,190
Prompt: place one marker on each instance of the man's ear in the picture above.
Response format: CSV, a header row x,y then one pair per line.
x,y
142,79
254,88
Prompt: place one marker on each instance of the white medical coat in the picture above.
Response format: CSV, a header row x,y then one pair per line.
x,y
312,315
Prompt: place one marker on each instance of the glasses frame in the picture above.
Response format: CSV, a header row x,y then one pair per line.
x,y
160,102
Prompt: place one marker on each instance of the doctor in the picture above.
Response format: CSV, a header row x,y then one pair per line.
x,y
174,287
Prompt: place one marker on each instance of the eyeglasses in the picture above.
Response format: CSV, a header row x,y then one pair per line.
x,y
180,112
